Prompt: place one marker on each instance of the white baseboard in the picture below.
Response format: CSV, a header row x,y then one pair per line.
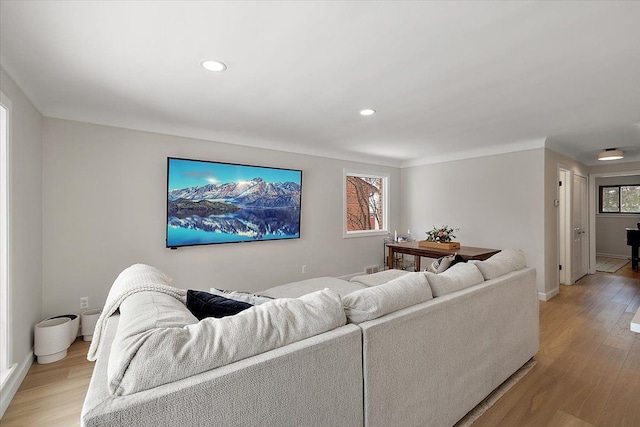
x,y
13,382
546,296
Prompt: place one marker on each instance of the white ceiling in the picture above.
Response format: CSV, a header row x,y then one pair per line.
x,y
448,79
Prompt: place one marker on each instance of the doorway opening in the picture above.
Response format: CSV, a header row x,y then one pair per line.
x,y
607,229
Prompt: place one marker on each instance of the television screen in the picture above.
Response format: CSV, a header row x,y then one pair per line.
x,y
212,202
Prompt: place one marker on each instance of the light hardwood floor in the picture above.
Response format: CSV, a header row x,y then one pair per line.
x,y
587,371
588,366
51,395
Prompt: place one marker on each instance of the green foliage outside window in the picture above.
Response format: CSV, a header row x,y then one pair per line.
x,y
620,199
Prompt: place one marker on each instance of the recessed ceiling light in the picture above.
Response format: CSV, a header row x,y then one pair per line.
x,y
213,65
367,112
611,154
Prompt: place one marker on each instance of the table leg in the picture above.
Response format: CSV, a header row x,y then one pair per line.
x,y
416,262
391,257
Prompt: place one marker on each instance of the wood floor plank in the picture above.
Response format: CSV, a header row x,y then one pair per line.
x,y
621,335
495,415
622,408
593,387
613,287
562,419
634,305
627,293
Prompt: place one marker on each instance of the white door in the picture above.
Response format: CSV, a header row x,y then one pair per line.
x,y
564,226
579,219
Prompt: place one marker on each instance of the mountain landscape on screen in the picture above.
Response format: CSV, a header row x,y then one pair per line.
x,y
254,193
235,211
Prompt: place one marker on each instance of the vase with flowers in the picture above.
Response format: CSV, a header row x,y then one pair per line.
x,y
441,238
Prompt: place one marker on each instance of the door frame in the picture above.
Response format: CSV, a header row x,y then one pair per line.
x,y
565,176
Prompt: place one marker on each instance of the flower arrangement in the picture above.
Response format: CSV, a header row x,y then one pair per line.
x,y
443,234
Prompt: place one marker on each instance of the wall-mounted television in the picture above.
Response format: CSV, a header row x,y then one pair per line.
x,y
212,202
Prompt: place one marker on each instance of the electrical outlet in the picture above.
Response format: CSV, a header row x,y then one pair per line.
x,y
304,269
84,302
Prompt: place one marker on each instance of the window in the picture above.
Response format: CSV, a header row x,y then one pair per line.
x,y
5,294
366,206
620,199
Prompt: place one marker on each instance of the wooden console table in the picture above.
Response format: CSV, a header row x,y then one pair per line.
x,y
412,248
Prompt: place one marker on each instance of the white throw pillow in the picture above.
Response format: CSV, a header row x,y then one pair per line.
x,y
247,297
460,276
502,263
371,303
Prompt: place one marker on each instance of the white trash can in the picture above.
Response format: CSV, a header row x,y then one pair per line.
x,y
88,324
74,325
51,340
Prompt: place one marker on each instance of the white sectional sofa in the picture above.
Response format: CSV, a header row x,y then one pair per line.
x,y
399,358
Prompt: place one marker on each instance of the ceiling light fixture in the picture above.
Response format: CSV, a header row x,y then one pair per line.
x,y
213,65
611,154
368,112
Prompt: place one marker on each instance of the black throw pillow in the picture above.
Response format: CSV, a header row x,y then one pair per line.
x,y
203,304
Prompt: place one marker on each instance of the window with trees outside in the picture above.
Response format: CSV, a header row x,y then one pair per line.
x,y
620,199
366,204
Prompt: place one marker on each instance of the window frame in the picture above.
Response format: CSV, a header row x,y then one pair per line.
x,y
6,340
385,177
601,190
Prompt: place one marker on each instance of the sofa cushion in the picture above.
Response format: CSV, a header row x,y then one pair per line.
x,y
378,278
458,277
502,263
371,303
203,304
247,297
148,352
303,287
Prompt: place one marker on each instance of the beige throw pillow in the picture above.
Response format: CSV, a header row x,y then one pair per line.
x,y
458,277
371,303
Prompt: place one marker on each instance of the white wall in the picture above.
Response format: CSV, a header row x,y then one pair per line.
x,y
25,217
496,201
611,234
104,209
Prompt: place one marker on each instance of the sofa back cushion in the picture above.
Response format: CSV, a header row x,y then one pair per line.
x,y
503,262
458,277
378,278
303,287
371,303
159,341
